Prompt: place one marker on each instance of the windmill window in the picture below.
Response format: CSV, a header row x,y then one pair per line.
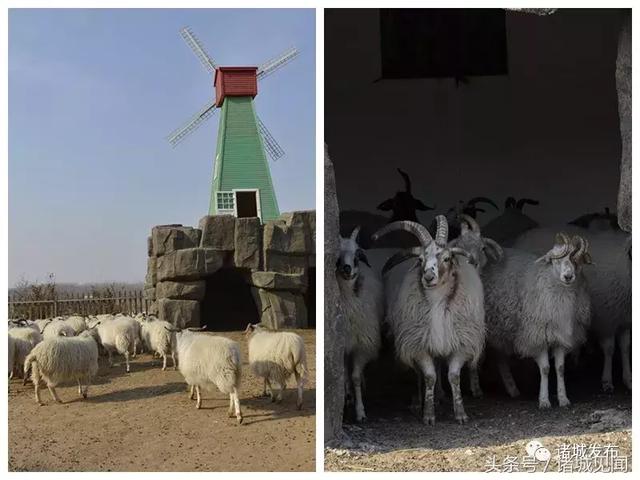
x,y
225,202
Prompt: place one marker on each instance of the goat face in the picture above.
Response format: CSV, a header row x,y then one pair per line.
x,y
350,258
437,265
567,258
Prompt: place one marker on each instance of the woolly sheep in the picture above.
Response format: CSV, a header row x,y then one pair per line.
x,y
77,322
157,338
206,360
362,299
609,285
276,356
24,339
435,310
118,336
57,327
535,306
63,359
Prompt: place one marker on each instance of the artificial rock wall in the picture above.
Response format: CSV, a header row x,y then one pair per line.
x,y
274,258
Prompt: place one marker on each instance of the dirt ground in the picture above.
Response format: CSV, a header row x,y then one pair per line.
x,y
499,426
144,421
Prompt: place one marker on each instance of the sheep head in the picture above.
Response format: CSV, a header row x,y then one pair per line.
x,y
567,258
471,240
437,260
350,257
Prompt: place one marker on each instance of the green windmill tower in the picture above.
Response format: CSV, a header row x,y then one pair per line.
x,y
241,184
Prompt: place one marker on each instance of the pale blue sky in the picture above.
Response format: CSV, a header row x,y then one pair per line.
x,y
92,95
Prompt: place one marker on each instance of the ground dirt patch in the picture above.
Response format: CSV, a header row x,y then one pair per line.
x,y
144,421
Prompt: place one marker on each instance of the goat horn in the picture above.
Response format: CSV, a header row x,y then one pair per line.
x,y
442,231
562,238
581,247
463,217
464,253
415,228
495,246
526,201
354,234
486,200
400,257
407,180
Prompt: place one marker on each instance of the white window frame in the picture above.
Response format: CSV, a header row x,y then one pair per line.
x,y
226,211
235,200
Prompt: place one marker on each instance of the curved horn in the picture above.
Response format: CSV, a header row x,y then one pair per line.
x,y
415,228
526,201
495,246
354,234
442,231
487,200
463,217
464,253
562,238
400,257
581,250
407,180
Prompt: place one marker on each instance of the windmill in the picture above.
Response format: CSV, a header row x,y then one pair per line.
x,y
241,183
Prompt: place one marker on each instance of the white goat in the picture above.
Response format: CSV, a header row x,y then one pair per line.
x,y
609,285
276,356
57,327
435,310
206,360
362,298
24,340
77,322
118,336
535,306
63,359
157,338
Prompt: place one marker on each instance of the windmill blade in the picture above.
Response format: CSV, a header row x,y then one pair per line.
x,y
275,64
274,150
198,49
198,119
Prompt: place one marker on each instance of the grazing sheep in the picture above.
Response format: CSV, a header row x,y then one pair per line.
x,y
362,298
609,285
77,322
157,339
118,336
63,359
206,360
436,311
24,340
276,356
536,306
506,227
57,327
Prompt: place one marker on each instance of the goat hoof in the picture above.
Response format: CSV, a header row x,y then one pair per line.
x,y
361,419
84,395
514,393
544,404
462,419
429,420
564,402
240,420
607,387
299,406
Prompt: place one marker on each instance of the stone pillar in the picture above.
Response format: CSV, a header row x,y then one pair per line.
x,y
333,325
623,85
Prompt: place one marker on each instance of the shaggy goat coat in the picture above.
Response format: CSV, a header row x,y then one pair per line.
x,y
276,356
56,328
24,339
527,309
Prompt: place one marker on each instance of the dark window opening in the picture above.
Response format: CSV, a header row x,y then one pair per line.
x,y
228,303
436,43
246,204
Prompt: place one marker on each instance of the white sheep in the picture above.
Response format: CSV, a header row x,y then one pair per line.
x,y
63,359
206,360
609,285
24,339
157,339
77,322
118,336
537,306
362,299
57,327
276,356
435,310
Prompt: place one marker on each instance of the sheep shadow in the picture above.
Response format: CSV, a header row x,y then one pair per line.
x,y
137,393
283,410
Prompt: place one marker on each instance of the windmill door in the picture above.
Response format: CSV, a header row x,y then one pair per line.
x,y
247,203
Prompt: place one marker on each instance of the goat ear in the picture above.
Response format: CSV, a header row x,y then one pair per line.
x,y
543,259
360,255
386,205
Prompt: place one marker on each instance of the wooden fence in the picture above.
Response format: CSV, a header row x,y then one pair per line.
x,y
122,302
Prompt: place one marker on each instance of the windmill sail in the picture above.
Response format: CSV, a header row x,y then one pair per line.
x,y
198,49
274,150
275,64
198,119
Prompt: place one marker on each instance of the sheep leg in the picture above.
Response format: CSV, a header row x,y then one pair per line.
x,y
558,357
135,349
474,382
231,412
164,362
126,360
428,370
624,340
455,365
441,396
79,387
198,397
173,359
299,385
608,346
37,391
236,404
281,387
356,378
507,378
266,392
55,396
543,365
110,358
192,393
